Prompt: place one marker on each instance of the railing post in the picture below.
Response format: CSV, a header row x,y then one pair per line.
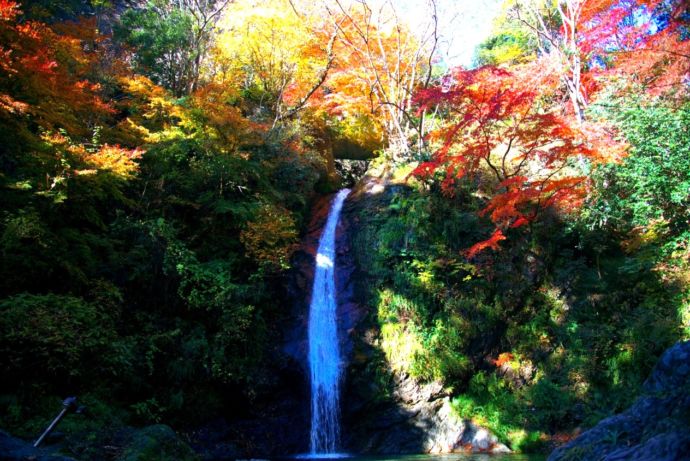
x,y
69,404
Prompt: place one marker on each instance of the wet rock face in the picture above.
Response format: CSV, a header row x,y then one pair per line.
x,y
655,427
418,419
295,347
384,412
295,344
350,311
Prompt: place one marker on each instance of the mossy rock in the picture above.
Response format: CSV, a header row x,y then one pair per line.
x,y
157,443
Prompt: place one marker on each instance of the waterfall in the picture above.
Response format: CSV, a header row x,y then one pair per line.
x,y
324,352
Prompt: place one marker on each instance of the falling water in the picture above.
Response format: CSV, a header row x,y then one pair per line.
x,y
324,353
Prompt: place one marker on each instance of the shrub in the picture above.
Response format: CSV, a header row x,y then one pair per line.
x,y
56,340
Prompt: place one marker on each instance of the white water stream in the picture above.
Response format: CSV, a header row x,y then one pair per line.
x,y
324,352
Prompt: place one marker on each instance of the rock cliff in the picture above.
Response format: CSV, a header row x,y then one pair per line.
x,y
384,411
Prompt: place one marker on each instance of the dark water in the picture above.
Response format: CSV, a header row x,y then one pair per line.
x,y
450,457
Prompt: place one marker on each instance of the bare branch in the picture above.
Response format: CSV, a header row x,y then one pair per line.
x,y
319,82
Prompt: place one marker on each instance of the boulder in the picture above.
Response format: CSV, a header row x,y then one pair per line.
x,y
673,445
655,427
14,449
417,419
671,373
157,443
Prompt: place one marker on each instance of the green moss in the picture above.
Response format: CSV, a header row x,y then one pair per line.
x,y
157,443
580,453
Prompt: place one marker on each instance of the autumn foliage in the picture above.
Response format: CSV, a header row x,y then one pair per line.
x,y
644,40
525,156
49,72
159,160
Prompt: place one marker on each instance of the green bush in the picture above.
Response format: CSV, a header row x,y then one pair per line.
x,y
55,338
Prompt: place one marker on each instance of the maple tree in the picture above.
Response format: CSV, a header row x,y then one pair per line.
x,y
54,104
46,72
498,131
643,39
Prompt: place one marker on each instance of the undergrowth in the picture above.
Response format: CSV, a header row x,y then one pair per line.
x,y
552,333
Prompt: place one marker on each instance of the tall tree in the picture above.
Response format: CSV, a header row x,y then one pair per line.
x,y
382,63
171,39
500,133
556,24
278,56
647,39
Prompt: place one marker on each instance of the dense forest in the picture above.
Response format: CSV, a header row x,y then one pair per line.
x,y
160,159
